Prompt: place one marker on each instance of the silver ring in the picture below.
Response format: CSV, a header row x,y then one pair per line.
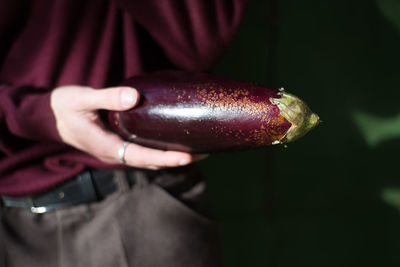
x,y
121,152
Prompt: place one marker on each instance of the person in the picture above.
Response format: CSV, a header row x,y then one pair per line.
x,y
73,193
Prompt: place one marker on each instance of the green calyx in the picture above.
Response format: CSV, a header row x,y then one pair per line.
x,y
297,113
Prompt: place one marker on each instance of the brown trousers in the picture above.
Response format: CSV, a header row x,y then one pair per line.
x,y
139,226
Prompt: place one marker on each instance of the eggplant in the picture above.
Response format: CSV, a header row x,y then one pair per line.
x,y
202,113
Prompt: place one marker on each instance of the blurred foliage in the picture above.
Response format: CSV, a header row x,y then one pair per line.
x,y
391,10
377,129
392,197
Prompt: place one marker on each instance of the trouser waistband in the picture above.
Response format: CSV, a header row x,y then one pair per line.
x,y
95,185
88,186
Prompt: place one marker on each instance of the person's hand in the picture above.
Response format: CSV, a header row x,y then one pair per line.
x,y
75,110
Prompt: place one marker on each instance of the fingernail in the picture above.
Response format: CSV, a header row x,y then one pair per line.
x,y
128,98
183,162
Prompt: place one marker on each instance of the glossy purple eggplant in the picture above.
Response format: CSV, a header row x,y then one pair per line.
x,y
202,113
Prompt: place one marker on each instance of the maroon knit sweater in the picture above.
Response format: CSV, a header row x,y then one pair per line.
x,y
98,43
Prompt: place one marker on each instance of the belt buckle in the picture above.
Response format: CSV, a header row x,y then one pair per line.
x,y
34,209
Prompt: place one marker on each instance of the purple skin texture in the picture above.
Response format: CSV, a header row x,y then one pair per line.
x,y
200,113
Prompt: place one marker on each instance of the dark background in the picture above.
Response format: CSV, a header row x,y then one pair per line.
x,y
330,198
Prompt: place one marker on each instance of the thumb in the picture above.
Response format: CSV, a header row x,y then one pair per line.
x,y
113,98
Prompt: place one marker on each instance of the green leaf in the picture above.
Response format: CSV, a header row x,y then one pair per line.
x,y
391,10
376,129
391,196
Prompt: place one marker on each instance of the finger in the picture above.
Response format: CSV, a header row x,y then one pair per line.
x,y
106,145
100,143
136,155
114,98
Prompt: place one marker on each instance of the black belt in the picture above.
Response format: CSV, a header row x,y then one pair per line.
x,y
88,186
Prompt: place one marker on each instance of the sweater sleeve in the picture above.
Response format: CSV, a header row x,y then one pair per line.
x,y
25,112
193,34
